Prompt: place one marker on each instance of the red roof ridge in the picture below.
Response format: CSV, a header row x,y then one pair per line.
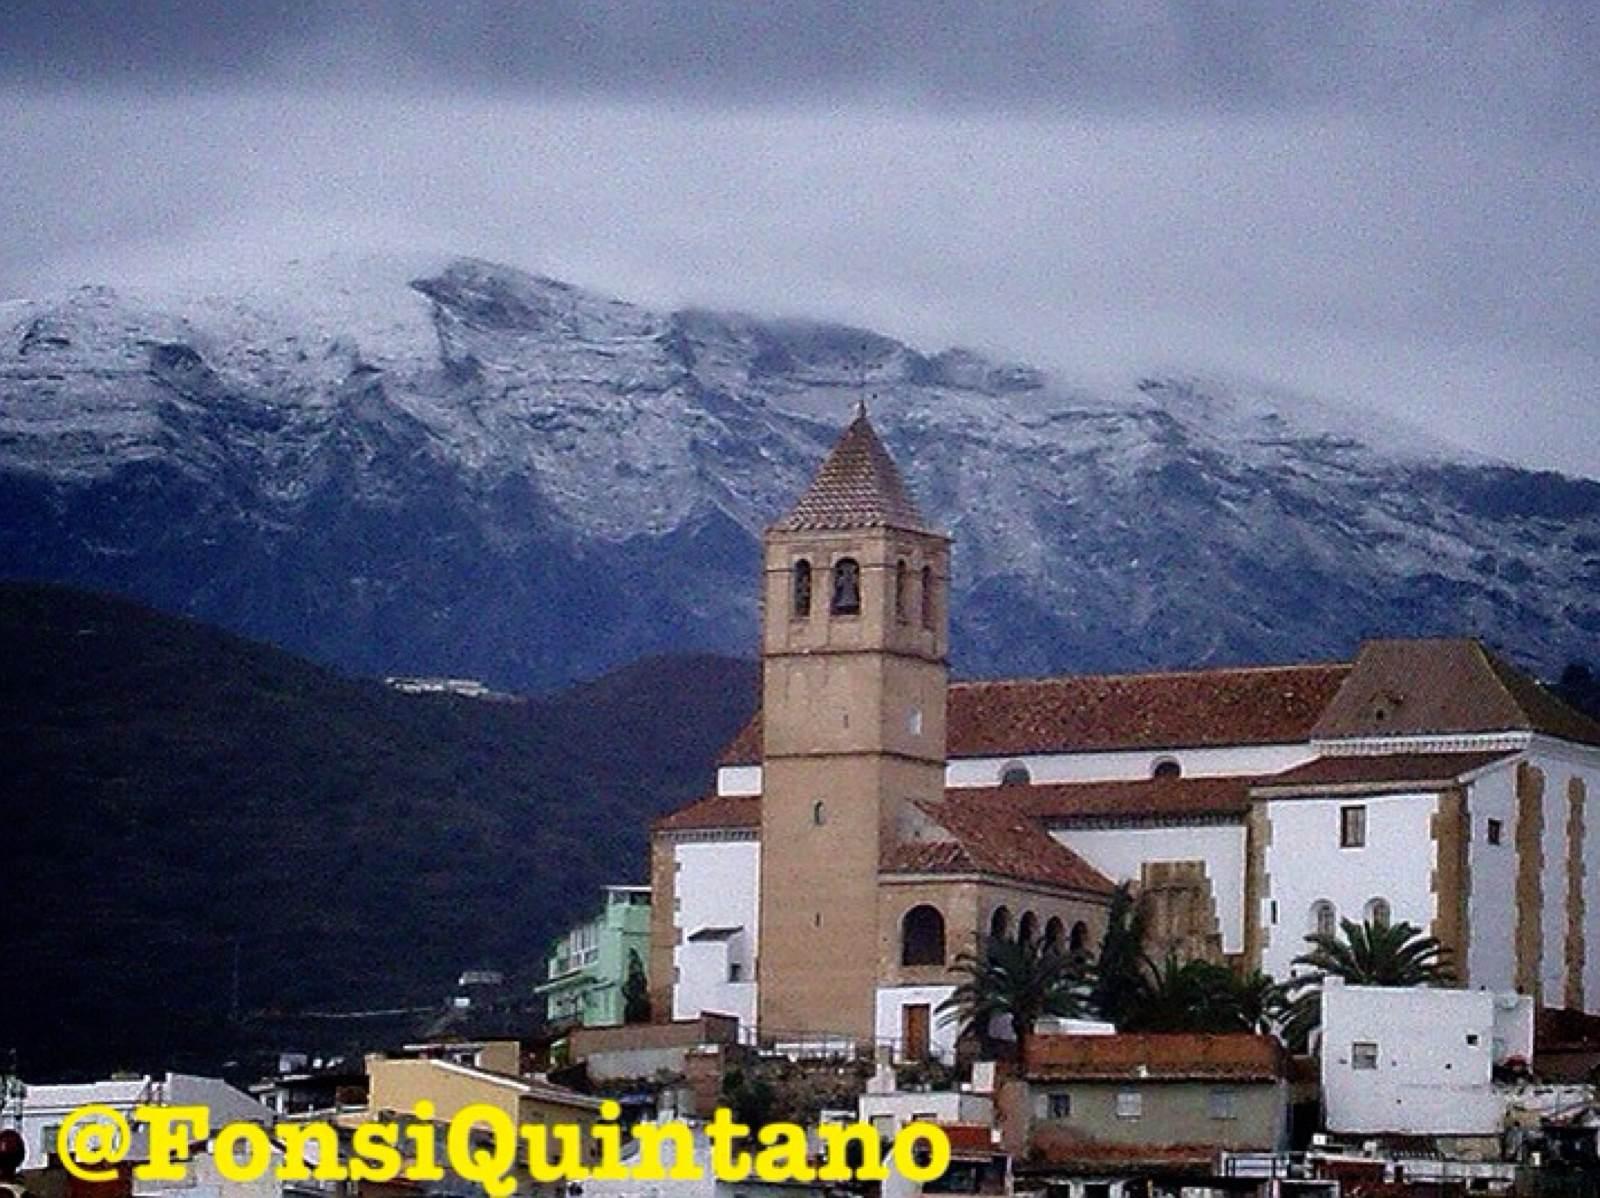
x,y
1185,672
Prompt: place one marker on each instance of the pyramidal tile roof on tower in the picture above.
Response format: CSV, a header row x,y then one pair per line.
x,y
858,486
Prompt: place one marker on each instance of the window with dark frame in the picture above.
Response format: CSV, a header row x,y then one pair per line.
x,y
1223,1104
1364,1054
800,606
1494,831
1061,1106
928,597
902,581
1352,827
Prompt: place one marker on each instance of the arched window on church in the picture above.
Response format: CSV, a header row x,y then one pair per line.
x,y
1377,912
1167,767
1015,774
928,597
902,580
1027,928
1000,923
1324,919
846,587
1055,935
922,936
802,589
1078,941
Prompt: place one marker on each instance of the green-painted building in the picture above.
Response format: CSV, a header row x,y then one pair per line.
x,y
588,967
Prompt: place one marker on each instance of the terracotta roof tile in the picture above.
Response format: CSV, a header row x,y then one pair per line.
x,y
1442,686
1187,709
970,1139
1390,771
858,486
996,840
1171,1057
1077,713
1146,798
713,811
1052,1148
1154,798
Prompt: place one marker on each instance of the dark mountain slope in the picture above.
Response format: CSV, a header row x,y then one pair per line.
x,y
174,796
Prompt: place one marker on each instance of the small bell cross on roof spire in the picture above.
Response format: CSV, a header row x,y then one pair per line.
x,y
861,407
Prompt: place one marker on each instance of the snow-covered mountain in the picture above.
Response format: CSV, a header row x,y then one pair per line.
x,y
452,467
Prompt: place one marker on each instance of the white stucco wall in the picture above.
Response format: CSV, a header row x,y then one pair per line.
x,y
717,886
1120,766
1560,762
1491,903
739,780
1436,1051
1130,765
1119,852
888,1024
1304,863
1588,768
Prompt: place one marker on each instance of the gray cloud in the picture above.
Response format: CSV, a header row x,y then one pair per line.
x,y
1366,201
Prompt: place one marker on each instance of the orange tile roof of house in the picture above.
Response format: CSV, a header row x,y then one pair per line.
x,y
713,811
1144,798
1043,805
1097,712
989,839
1378,774
1170,1057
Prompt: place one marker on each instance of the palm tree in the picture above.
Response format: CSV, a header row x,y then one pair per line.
x,y
1362,954
1023,981
1262,1002
1183,996
1202,996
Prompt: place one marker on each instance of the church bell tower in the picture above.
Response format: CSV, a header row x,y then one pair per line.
x,y
855,641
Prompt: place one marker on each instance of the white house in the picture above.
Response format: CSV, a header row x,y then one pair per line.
x,y
44,1108
1419,1061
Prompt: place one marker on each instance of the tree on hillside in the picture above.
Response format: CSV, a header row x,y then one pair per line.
x,y
1362,954
635,991
1118,973
1021,981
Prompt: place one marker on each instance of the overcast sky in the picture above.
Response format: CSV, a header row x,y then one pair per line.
x,y
1389,204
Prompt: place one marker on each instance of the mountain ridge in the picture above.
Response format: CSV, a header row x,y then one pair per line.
x,y
453,467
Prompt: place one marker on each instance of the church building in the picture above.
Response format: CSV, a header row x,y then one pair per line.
x,y
875,820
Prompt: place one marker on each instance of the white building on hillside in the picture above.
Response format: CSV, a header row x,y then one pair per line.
x,y
1419,1062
